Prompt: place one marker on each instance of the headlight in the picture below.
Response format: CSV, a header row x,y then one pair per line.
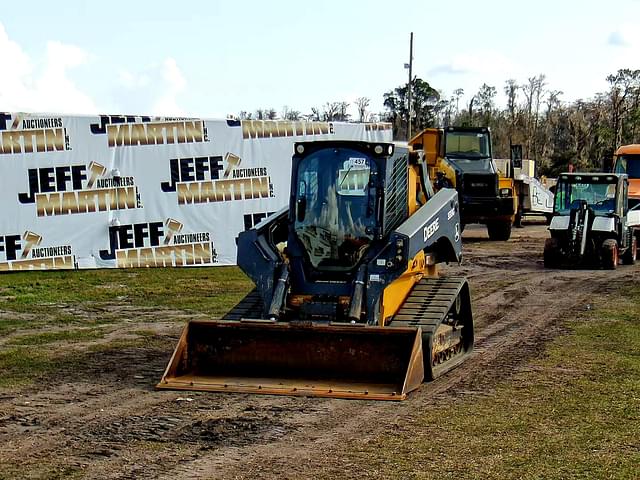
x,y
505,192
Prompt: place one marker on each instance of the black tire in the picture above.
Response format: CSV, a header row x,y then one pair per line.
x,y
517,221
610,254
548,217
499,231
552,255
631,254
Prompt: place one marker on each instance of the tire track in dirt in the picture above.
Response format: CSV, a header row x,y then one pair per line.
x,y
513,325
118,428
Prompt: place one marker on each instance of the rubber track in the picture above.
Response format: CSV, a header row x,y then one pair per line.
x,y
427,306
249,307
428,303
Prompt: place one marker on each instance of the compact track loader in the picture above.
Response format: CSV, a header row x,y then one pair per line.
x,y
592,223
347,302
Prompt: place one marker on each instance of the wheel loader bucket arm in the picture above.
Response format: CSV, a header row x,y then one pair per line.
x,y
434,228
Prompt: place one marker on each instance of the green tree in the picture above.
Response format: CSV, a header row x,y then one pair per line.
x,y
425,107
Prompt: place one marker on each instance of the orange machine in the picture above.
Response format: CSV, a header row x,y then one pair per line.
x,y
627,160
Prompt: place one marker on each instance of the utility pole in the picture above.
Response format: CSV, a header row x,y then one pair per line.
x,y
410,109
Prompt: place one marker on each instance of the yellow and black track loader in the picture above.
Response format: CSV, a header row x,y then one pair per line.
x,y
348,302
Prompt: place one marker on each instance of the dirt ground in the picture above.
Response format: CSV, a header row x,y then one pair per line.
x,y
103,419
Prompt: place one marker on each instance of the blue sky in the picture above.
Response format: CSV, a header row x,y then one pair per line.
x,y
212,58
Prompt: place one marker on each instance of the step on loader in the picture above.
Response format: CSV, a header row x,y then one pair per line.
x,y
348,302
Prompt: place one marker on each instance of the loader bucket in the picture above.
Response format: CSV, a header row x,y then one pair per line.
x,y
321,360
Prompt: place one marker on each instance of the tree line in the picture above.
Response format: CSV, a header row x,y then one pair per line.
x,y
554,133
329,112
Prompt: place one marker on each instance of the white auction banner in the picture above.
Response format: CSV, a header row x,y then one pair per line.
x,y
133,191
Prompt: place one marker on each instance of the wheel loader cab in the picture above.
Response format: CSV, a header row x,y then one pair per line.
x,y
627,161
469,151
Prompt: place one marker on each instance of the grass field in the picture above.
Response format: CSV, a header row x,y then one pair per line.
x,y
43,314
571,412
207,290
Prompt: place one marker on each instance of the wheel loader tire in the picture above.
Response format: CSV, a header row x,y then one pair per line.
x,y
631,254
552,255
610,254
499,231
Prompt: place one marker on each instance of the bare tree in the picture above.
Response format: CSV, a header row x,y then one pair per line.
x,y
457,94
511,90
314,116
470,110
485,98
532,92
343,116
362,103
330,111
288,114
335,112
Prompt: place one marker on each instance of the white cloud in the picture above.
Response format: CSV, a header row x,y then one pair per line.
x,y
42,86
478,63
154,90
617,39
624,49
175,83
173,76
625,36
15,81
469,70
46,84
132,80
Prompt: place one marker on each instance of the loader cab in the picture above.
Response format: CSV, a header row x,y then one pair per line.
x,y
629,164
469,149
627,161
334,206
337,202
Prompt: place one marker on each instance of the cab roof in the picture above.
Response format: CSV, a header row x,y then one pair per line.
x,y
632,148
596,177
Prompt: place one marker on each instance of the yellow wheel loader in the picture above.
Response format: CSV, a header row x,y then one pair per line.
x,y
461,158
348,302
